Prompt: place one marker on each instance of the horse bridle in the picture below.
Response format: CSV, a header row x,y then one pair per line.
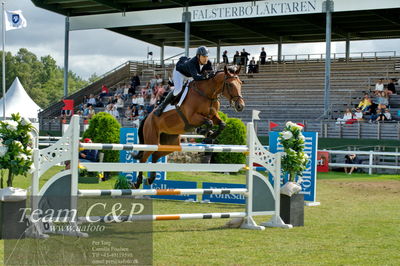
x,y
227,85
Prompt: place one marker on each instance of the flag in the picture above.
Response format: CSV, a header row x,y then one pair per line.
x,y
14,20
300,124
272,125
255,114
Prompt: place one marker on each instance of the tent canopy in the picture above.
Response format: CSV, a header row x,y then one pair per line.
x,y
18,101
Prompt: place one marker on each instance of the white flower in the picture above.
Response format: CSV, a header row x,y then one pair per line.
x,y
287,135
30,135
302,137
22,156
25,121
11,124
290,124
18,143
3,150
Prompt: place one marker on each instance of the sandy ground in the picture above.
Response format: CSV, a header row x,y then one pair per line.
x,y
387,186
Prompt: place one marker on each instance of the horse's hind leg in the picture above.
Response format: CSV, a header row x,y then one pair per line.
x,y
164,140
139,179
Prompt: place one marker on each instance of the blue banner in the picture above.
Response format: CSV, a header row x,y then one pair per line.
x,y
169,184
130,136
310,174
224,198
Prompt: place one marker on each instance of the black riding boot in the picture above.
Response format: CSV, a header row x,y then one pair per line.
x,y
170,97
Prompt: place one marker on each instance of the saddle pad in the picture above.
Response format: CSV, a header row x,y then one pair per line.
x,y
172,107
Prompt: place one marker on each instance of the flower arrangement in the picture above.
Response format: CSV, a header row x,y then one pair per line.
x,y
15,147
295,160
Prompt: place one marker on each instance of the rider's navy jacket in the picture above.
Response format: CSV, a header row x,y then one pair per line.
x,y
191,68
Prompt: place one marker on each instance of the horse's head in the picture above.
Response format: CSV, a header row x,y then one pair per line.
x,y
232,88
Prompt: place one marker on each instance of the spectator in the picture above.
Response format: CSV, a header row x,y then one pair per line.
x,y
115,112
120,90
91,112
135,81
109,108
152,83
92,100
85,112
391,86
236,58
140,100
388,115
104,91
135,111
88,156
358,114
125,95
128,113
119,105
348,115
263,56
225,59
244,57
365,103
351,159
159,80
252,66
379,86
378,116
99,102
134,100
142,113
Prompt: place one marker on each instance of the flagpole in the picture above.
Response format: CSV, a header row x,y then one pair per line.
x,y
4,62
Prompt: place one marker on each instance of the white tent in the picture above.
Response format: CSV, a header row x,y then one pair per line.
x,y
18,101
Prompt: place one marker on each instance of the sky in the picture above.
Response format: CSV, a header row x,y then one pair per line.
x,y
98,51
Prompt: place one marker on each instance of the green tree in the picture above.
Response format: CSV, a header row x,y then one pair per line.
x,y
104,128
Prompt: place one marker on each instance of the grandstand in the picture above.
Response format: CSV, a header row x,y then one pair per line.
x,y
289,90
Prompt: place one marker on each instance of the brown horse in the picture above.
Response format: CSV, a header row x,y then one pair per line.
x,y
200,107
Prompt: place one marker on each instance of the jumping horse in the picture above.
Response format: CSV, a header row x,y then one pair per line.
x,y
200,107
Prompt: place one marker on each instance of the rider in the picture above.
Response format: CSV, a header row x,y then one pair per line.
x,y
186,68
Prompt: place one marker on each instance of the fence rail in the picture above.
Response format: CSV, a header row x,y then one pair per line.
x,y
373,156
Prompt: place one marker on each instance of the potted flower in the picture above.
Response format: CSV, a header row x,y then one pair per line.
x,y
294,162
15,159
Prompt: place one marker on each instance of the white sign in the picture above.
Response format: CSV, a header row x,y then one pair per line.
x,y
255,9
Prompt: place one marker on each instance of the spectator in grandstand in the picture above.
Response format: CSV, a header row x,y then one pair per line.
x,y
348,115
128,113
153,102
85,111
88,156
236,58
379,86
244,57
109,108
135,111
140,100
358,114
252,66
391,86
135,81
119,105
388,115
365,103
99,102
263,56
143,91
91,112
152,82
381,100
225,59
115,112
134,100
104,91
351,159
92,100
125,95
159,80
378,116
85,99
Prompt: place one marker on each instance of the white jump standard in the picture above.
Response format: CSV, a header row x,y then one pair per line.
x,y
262,197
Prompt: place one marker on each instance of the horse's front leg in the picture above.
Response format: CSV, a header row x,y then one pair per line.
x,y
205,127
221,125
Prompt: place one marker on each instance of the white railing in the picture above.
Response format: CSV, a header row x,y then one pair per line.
x,y
370,164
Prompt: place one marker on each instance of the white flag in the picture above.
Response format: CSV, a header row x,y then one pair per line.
x,y
14,20
255,115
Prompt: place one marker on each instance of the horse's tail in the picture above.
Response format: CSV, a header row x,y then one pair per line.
x,y
139,155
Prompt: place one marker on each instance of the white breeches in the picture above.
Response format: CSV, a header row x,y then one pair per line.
x,y
179,79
